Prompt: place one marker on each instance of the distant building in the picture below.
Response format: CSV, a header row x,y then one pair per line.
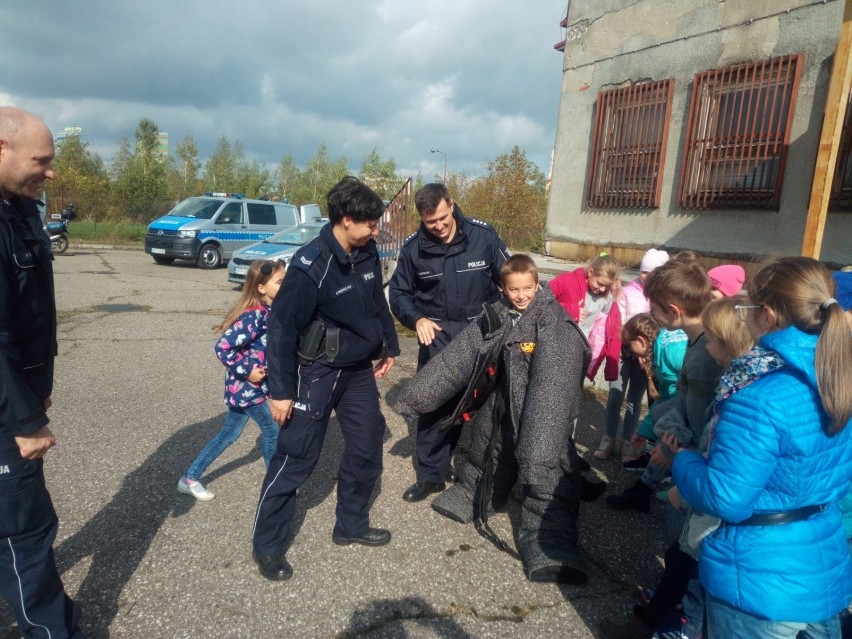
x,y
67,132
163,139
695,124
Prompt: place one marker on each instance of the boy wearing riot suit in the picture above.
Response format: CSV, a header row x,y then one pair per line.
x,y
520,368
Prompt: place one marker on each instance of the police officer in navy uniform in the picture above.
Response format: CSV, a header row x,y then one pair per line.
x,y
329,323
446,271
28,524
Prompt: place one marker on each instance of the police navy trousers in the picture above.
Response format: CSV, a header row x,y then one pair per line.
x,y
353,394
29,580
435,447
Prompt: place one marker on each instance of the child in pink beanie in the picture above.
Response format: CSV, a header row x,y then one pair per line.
x,y
727,280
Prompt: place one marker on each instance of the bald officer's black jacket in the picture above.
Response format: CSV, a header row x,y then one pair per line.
x,y
27,320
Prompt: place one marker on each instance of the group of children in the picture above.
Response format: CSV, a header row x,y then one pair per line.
x,y
677,334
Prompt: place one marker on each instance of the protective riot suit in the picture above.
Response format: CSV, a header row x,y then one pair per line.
x,y
522,375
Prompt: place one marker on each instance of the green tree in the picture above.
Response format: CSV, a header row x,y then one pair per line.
x,y
220,170
80,179
380,175
319,175
253,179
140,175
183,177
122,176
511,197
287,177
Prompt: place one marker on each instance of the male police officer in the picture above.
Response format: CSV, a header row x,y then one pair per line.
x,y
28,577
446,271
329,321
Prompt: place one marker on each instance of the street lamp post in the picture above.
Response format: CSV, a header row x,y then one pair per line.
x,y
445,162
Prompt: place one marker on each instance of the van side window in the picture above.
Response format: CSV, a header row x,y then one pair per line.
x,y
261,214
287,214
231,214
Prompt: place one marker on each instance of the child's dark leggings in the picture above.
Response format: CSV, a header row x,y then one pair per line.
x,y
680,569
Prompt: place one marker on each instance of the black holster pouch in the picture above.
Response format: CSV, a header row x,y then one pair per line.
x,y
311,342
332,343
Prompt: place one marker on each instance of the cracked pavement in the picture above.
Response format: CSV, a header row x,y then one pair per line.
x,y
139,392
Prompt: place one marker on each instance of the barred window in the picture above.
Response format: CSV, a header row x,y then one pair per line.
x,y
841,186
629,145
738,133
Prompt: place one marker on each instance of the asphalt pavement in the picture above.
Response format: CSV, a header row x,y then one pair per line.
x,y
139,392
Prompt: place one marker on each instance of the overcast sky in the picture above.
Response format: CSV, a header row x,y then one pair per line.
x,y
472,78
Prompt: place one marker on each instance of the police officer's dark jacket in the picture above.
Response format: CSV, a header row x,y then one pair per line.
x,y
344,291
447,281
27,320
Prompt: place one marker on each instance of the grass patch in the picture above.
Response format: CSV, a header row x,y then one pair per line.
x,y
125,233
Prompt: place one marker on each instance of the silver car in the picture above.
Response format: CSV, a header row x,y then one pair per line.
x,y
280,246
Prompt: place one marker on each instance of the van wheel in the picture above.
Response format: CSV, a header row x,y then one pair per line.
x,y
165,261
209,257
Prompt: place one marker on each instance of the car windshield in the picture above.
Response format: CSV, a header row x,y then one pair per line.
x,y
201,208
295,235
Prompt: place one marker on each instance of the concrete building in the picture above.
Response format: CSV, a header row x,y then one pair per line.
x,y
694,124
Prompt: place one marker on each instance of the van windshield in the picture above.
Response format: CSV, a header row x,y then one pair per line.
x,y
201,208
296,235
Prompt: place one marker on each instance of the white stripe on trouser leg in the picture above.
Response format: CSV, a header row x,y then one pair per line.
x,y
21,591
263,496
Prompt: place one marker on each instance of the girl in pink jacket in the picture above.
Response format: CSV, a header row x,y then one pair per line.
x,y
631,381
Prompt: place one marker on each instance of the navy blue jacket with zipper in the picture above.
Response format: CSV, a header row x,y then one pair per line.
x,y
27,320
344,291
448,281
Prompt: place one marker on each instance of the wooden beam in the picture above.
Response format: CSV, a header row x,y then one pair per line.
x,y
829,142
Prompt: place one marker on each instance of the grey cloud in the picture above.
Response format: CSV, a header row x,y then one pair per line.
x,y
286,77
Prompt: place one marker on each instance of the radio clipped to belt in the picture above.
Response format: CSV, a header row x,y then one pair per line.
x,y
318,340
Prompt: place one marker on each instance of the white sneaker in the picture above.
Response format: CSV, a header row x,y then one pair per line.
x,y
195,488
606,448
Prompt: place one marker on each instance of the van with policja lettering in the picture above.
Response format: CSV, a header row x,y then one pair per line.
x,y
208,229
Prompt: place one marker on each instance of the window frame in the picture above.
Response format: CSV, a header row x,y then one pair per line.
x,y
738,135
841,185
627,155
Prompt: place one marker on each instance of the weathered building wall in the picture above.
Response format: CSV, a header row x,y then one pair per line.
x,y
617,42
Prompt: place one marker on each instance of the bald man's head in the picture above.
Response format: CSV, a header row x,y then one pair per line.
x,y
26,153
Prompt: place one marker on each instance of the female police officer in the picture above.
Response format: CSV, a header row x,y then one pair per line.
x,y
329,321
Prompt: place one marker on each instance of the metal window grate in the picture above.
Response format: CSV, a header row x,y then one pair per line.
x,y
738,133
841,187
628,149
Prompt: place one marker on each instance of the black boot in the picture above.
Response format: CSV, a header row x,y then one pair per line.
x,y
637,497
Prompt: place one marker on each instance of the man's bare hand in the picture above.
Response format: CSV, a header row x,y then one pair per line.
x,y
426,330
383,367
281,410
35,445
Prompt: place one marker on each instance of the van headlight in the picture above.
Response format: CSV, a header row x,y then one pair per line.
x,y
190,233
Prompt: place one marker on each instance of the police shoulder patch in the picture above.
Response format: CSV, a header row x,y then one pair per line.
x,y
305,257
410,238
482,223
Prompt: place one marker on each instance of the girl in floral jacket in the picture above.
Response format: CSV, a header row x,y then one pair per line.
x,y
242,350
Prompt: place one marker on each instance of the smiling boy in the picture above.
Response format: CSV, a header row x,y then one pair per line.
x,y
535,356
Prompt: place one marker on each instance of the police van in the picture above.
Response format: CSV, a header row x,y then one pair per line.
x,y
209,228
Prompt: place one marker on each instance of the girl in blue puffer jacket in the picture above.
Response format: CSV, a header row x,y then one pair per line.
x,y
779,565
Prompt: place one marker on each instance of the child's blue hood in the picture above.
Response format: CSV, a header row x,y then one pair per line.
x,y
796,347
